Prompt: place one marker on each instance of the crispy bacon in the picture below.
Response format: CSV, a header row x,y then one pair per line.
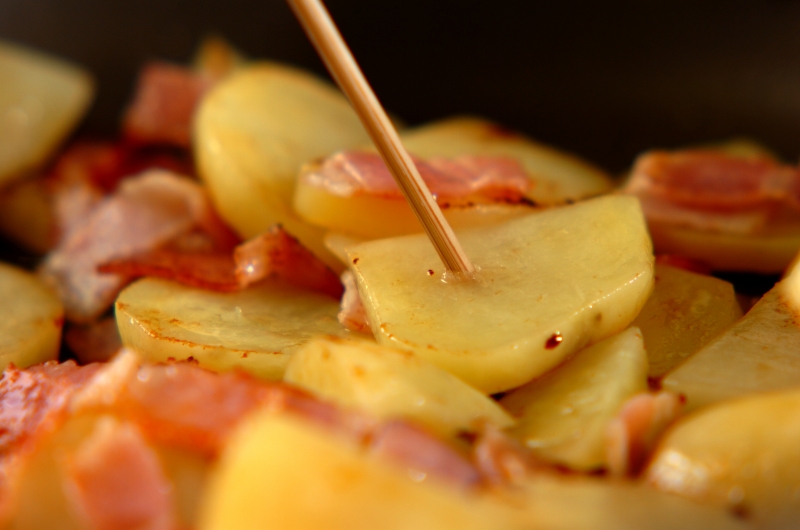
x,y
33,399
115,481
456,180
164,104
714,191
632,434
274,253
144,213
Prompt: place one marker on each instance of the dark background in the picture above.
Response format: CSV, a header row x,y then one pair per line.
x,y
606,80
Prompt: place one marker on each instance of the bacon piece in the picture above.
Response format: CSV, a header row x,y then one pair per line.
x,y
275,253
115,481
164,104
184,406
502,460
461,179
422,454
145,213
714,180
352,315
33,399
206,270
632,434
714,191
95,342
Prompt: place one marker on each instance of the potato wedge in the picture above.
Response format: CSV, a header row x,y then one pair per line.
x,y
31,319
549,284
741,454
685,311
563,415
278,472
256,329
759,353
41,99
252,134
389,383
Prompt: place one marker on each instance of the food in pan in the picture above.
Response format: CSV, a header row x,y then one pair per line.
x,y
578,381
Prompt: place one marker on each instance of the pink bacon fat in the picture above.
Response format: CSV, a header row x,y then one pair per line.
x,y
143,214
711,190
273,253
452,181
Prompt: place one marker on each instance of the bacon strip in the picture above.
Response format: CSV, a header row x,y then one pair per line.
x,y
632,434
164,104
715,191
116,482
145,213
461,179
274,253
184,406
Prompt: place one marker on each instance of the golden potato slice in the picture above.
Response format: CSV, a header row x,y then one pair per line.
x,y
31,318
548,285
742,454
389,383
560,177
280,473
563,415
685,311
766,253
256,329
759,353
41,99
589,503
252,134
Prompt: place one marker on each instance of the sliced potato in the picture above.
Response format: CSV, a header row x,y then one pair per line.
x,y
372,217
548,285
741,454
563,415
41,99
685,311
252,134
281,473
766,253
759,353
589,503
389,383
256,329
31,318
560,177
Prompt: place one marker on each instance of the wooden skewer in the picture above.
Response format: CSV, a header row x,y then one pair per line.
x,y
326,38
